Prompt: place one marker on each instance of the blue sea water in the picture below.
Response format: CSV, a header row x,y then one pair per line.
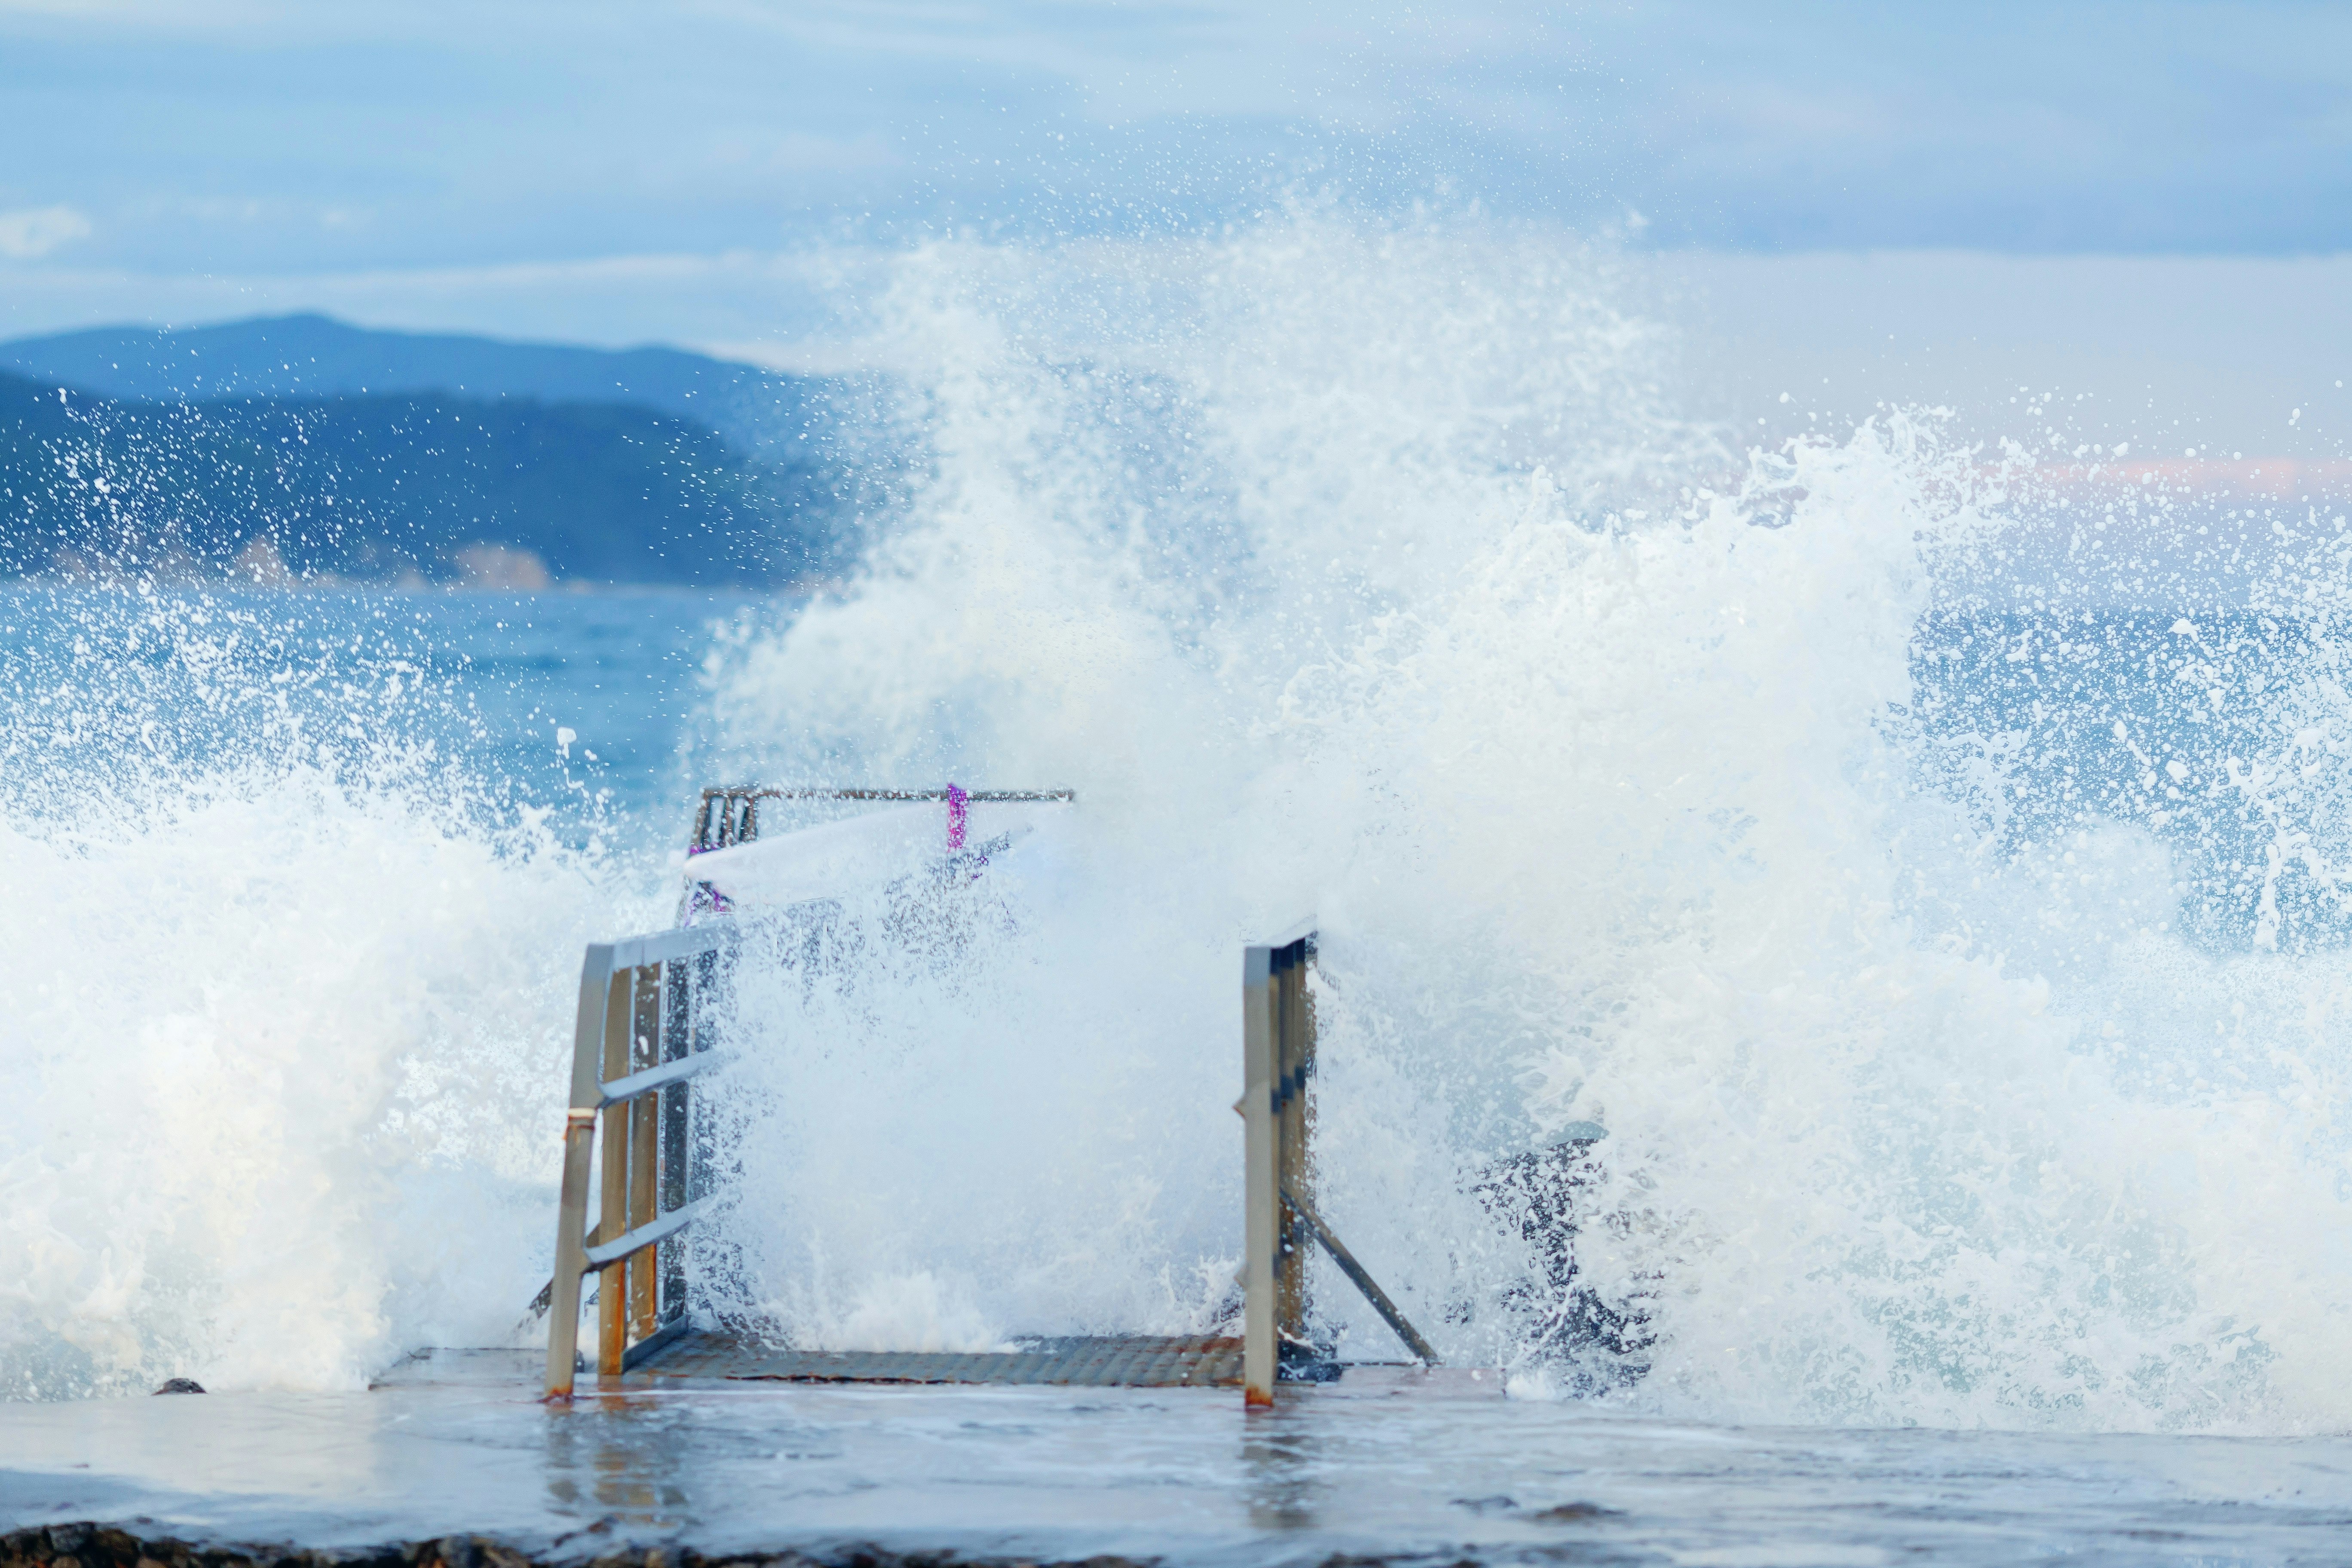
x,y
582,705
594,707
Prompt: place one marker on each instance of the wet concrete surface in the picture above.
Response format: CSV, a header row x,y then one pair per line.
x,y
459,1447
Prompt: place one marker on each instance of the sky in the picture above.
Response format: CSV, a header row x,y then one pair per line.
x,y
702,172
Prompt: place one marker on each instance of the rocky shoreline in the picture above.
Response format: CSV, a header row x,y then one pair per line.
x,y
111,1546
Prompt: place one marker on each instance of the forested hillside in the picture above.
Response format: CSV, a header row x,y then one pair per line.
x,y
318,356
419,485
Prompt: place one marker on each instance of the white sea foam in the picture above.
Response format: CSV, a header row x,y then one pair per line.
x,y
1347,568
1365,569
284,1011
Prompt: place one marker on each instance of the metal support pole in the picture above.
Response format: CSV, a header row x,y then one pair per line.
x,y
612,1289
1356,1274
699,1037
579,1136
644,1151
1293,1061
1261,1182
676,1034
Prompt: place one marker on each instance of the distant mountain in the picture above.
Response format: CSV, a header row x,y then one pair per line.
x,y
429,486
318,356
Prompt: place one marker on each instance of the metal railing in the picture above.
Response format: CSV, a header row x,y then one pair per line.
x,y
1279,1179
642,1034
729,814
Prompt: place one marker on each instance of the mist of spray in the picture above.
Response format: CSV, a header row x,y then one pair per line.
x,y
1366,572
286,998
1971,1051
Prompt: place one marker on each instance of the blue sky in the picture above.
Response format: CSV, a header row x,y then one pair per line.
x,y
169,161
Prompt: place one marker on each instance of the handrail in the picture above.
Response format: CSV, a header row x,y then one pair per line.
x,y
738,806
639,1037
759,792
635,1085
644,996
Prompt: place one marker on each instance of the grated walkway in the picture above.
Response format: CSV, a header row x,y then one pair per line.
x,y
1099,1361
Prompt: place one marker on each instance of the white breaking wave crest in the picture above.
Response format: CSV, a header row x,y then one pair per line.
x,y
285,1006
1358,569
1366,570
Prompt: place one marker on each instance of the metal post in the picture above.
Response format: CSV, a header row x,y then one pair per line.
x,y
644,1150
700,989
1261,1182
571,1211
1293,1060
677,1035
612,1289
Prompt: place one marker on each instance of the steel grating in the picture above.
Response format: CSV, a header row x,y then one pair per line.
x,y
1132,1360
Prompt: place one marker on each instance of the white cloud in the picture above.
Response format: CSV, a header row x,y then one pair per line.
x,y
37,231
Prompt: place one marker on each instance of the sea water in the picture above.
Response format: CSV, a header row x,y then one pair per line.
x,y
574,703
1927,860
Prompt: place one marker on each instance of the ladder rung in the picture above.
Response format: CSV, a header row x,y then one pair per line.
x,y
645,1236
639,1084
